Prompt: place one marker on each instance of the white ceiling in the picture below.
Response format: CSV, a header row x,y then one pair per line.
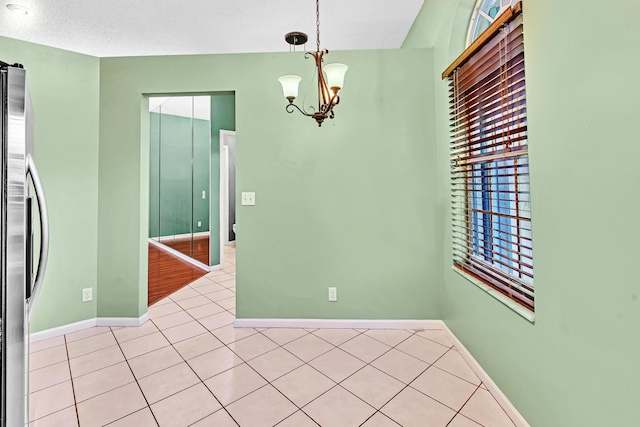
x,y
106,28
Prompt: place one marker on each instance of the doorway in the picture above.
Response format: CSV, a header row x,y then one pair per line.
x,y
228,200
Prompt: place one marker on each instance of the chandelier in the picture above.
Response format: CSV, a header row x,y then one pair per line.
x,y
330,78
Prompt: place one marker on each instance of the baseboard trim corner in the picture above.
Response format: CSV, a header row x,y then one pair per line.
x,y
86,324
493,388
338,323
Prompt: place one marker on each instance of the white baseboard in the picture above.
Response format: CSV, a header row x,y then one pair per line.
x,y
338,323
122,321
511,410
86,324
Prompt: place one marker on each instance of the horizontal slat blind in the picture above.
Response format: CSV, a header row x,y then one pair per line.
x,y
490,164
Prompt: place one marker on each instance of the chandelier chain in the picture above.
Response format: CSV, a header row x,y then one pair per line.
x,y
318,25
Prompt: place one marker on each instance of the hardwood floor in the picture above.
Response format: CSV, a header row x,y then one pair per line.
x,y
200,248
168,273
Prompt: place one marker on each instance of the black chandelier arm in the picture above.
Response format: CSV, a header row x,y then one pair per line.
x,y
291,110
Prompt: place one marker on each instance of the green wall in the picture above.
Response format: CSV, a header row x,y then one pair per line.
x,y
64,89
350,204
577,365
175,188
223,117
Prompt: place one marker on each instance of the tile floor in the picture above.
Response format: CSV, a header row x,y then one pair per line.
x,y
188,366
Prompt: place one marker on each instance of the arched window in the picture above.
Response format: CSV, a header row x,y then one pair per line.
x,y
484,14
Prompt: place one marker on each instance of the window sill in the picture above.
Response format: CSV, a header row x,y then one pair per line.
x,y
527,314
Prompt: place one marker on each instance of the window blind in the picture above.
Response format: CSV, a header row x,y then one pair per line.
x,y
491,214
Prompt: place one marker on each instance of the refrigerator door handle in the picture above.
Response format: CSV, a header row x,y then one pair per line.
x,y
44,232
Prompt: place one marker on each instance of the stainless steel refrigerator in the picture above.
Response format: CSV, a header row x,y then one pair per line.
x,y
22,275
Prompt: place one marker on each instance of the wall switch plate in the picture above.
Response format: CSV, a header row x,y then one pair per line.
x,y
248,198
199,223
87,294
204,194
333,294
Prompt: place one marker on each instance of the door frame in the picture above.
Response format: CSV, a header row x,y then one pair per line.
x,y
224,191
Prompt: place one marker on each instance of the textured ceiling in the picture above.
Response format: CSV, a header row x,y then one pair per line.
x,y
166,27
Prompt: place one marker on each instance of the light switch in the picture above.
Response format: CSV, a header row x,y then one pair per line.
x,y
248,198
204,194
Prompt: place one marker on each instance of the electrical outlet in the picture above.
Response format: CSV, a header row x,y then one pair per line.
x,y
248,198
87,294
333,294
199,223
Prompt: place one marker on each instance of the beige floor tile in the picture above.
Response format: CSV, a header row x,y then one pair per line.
x,y
111,406
373,386
205,280
154,361
100,359
391,337
365,348
163,301
411,408
163,310
209,287
264,407
462,421
220,295
214,362
49,400
193,302
36,346
169,381
337,364
142,418
303,384
184,331
217,321
231,283
171,320
222,277
483,409
86,333
205,310
143,345
435,336
453,363
232,311
336,336
91,344
183,293
230,270
483,386
98,382
284,335
218,419
422,349
380,420
197,345
185,408
338,407
400,365
48,376
235,383
47,357
308,347
252,347
275,363
298,419
228,303
444,387
361,330
64,418
214,273
131,333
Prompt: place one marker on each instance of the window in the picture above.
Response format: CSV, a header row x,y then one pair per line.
x,y
491,203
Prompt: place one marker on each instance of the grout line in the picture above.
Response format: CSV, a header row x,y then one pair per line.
x,y
73,387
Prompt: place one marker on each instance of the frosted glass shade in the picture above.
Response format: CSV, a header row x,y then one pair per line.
x,y
290,86
335,74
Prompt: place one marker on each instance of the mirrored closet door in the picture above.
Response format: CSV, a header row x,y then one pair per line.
x,y
180,181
